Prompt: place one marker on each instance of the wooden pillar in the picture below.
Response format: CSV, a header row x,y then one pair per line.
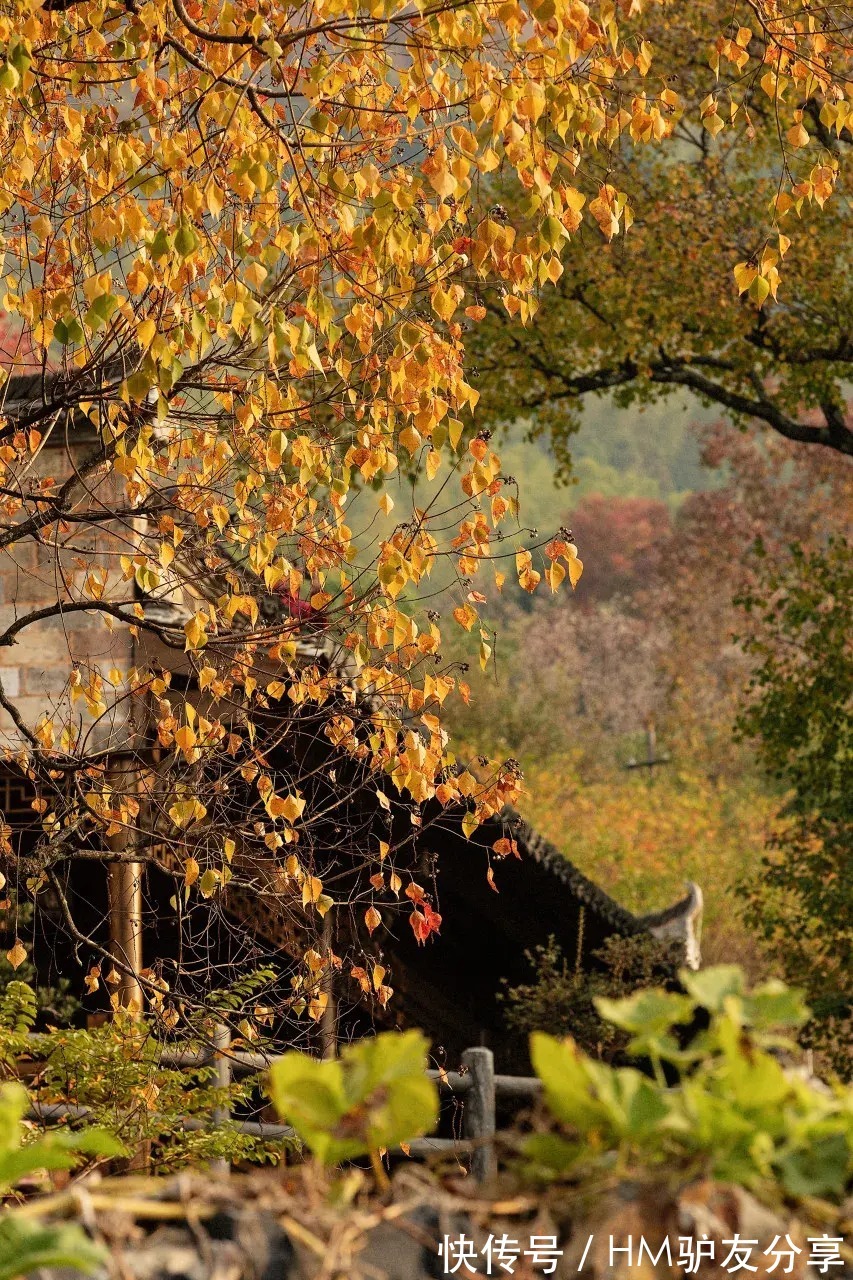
x,y
125,890
220,1057
329,1016
124,886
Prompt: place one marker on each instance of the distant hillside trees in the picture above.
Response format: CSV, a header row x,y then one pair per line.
x,y
799,631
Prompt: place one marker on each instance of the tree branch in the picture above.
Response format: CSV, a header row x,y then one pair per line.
x,y
834,434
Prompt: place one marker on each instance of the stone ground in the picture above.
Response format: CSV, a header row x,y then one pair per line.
x,y
294,1224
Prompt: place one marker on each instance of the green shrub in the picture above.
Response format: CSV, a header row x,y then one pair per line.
x,y
376,1096
117,1073
734,1113
561,997
799,619
26,1244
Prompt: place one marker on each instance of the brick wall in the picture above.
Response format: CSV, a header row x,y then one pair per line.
x,y
35,670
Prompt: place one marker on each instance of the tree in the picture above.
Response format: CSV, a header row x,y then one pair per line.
x,y
774,491
623,532
241,246
800,713
658,309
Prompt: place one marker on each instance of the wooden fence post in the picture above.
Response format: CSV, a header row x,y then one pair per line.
x,y
221,1080
479,1113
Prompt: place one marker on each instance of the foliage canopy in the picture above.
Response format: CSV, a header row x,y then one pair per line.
x,y
657,310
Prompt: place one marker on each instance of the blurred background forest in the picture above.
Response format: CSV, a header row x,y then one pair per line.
x,y
678,518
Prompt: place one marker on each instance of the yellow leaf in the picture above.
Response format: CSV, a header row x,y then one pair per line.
x,y
759,290
555,574
185,739
443,303
744,274
317,1005
575,565
17,955
311,890
293,807
209,883
214,200
146,333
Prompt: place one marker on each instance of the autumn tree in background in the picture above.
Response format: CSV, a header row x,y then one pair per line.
x,y
692,298
576,681
798,631
624,532
242,250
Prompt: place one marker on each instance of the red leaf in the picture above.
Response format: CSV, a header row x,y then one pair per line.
x,y
424,922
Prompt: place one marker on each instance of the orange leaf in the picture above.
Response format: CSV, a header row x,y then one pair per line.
x,y
372,919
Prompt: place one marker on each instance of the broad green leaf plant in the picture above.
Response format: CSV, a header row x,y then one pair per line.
x,y
718,1101
27,1244
713,1098
376,1096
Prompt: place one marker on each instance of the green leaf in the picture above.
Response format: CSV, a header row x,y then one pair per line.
x,y
649,1010
818,1169
9,78
775,1005
68,331
377,1094
138,386
186,240
209,883
712,987
553,231
100,311
565,1073
550,1154
636,1104
26,1247
20,58
13,1105
753,1079
161,245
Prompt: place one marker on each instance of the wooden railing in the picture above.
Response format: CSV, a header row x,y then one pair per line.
x,y
476,1085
